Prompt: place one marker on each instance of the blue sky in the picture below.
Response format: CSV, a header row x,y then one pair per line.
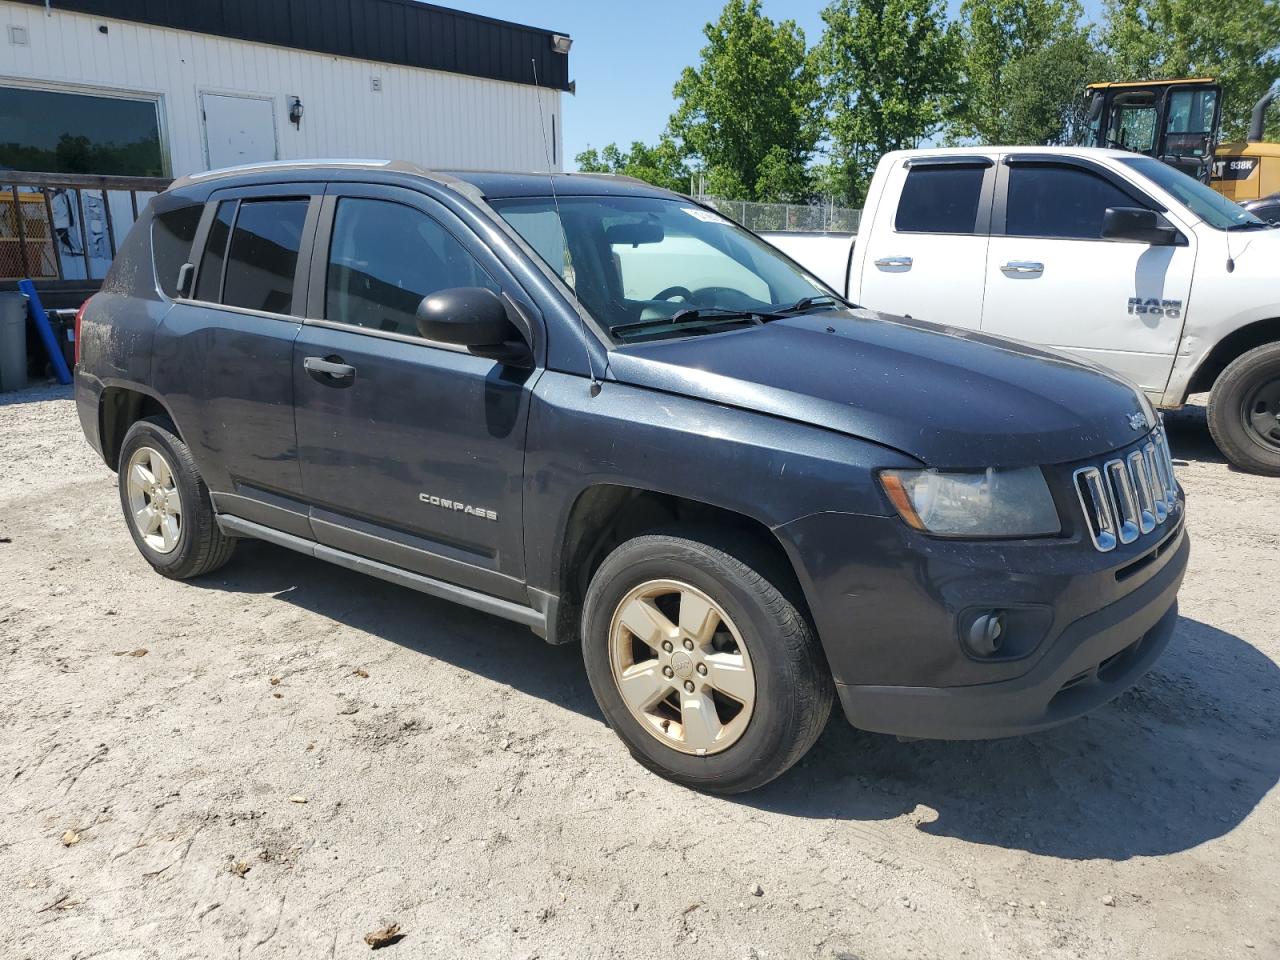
x,y
626,56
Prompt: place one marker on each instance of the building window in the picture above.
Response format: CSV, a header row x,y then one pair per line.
x,y
48,131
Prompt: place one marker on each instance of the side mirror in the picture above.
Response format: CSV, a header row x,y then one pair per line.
x,y
475,318
1137,223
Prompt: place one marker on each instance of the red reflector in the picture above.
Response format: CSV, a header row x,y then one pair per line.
x,y
79,320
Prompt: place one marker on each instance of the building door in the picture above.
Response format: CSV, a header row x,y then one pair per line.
x,y
238,130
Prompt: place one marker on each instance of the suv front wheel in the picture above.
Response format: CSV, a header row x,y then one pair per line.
x,y
166,503
703,665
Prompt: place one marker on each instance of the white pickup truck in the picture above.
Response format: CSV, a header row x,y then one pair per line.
x,y
1107,255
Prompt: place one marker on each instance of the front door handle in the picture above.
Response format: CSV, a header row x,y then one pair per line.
x,y
1023,268
894,262
330,371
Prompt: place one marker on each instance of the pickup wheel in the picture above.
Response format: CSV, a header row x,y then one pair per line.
x,y
166,503
1244,411
703,665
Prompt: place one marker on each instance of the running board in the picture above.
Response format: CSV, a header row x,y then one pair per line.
x,y
506,609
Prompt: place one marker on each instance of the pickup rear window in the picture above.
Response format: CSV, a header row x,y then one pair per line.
x,y
941,199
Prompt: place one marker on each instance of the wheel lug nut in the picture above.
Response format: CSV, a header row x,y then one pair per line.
x,y
668,672
688,644
702,669
666,645
688,685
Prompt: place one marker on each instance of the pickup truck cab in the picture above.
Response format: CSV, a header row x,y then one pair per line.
x,y
1111,256
605,412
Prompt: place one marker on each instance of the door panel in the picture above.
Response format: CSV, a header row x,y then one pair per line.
x,y
928,259
412,453
227,369
1051,280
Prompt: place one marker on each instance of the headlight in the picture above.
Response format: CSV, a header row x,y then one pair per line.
x,y
991,503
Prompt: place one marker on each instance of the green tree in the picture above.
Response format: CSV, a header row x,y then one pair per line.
x,y
1237,41
1023,66
888,71
661,165
748,112
1054,108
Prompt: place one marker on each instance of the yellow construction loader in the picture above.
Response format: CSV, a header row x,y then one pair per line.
x,y
1178,121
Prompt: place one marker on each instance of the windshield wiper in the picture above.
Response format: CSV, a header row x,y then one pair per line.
x,y
689,317
808,303
1250,225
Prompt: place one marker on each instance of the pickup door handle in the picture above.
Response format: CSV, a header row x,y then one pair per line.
x,y
1023,268
894,262
330,371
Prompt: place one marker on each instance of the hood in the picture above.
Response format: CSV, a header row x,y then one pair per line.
x,y
948,397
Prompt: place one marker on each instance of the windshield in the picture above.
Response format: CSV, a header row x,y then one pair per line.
x,y
1209,205
650,265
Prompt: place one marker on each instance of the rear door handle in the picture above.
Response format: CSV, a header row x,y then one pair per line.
x,y
330,371
1027,268
894,262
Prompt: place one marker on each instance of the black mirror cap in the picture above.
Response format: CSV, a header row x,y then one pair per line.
x,y
475,318
1140,224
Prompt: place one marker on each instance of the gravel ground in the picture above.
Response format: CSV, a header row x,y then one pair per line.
x,y
284,757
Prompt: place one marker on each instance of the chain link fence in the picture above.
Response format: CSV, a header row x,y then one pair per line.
x,y
788,217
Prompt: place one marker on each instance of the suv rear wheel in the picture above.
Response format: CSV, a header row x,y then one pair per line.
x,y
166,503
1244,411
703,666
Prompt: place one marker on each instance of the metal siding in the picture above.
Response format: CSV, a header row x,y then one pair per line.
x,y
451,39
440,119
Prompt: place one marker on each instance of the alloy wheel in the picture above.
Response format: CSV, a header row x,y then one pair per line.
x,y
155,505
681,667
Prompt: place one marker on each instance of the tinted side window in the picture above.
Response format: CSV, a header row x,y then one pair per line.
x,y
1063,202
384,258
209,283
171,236
264,254
940,200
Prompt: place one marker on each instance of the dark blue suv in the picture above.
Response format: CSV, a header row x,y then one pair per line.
x,y
605,411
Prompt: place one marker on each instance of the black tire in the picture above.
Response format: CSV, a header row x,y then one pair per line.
x,y
1235,395
201,546
793,686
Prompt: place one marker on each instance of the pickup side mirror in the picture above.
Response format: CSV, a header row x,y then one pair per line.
x,y
1137,223
475,318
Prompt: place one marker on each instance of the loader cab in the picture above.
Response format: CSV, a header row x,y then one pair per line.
x,y
1175,121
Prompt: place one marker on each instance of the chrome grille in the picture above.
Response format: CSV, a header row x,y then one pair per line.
x,y
1130,496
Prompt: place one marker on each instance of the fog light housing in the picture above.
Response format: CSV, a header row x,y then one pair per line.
x,y
985,635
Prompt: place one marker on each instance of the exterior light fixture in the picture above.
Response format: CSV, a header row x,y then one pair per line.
x,y
561,44
295,112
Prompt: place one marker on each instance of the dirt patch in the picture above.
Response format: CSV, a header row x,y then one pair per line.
x,y
460,785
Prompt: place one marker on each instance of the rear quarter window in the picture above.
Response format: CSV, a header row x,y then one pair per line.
x,y
172,233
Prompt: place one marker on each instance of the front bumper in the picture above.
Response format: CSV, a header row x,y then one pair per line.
x,y
891,607
1092,661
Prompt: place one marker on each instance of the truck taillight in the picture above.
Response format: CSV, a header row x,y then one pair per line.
x,y
79,319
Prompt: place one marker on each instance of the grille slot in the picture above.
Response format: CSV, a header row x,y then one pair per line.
x,y
1099,514
1123,496
1128,497
1142,482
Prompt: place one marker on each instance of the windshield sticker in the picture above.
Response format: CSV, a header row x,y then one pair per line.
x,y
706,216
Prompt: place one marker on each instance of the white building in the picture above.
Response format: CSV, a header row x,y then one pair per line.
x,y
169,88
97,93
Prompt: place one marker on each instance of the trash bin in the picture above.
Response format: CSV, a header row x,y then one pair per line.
x,y
13,341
